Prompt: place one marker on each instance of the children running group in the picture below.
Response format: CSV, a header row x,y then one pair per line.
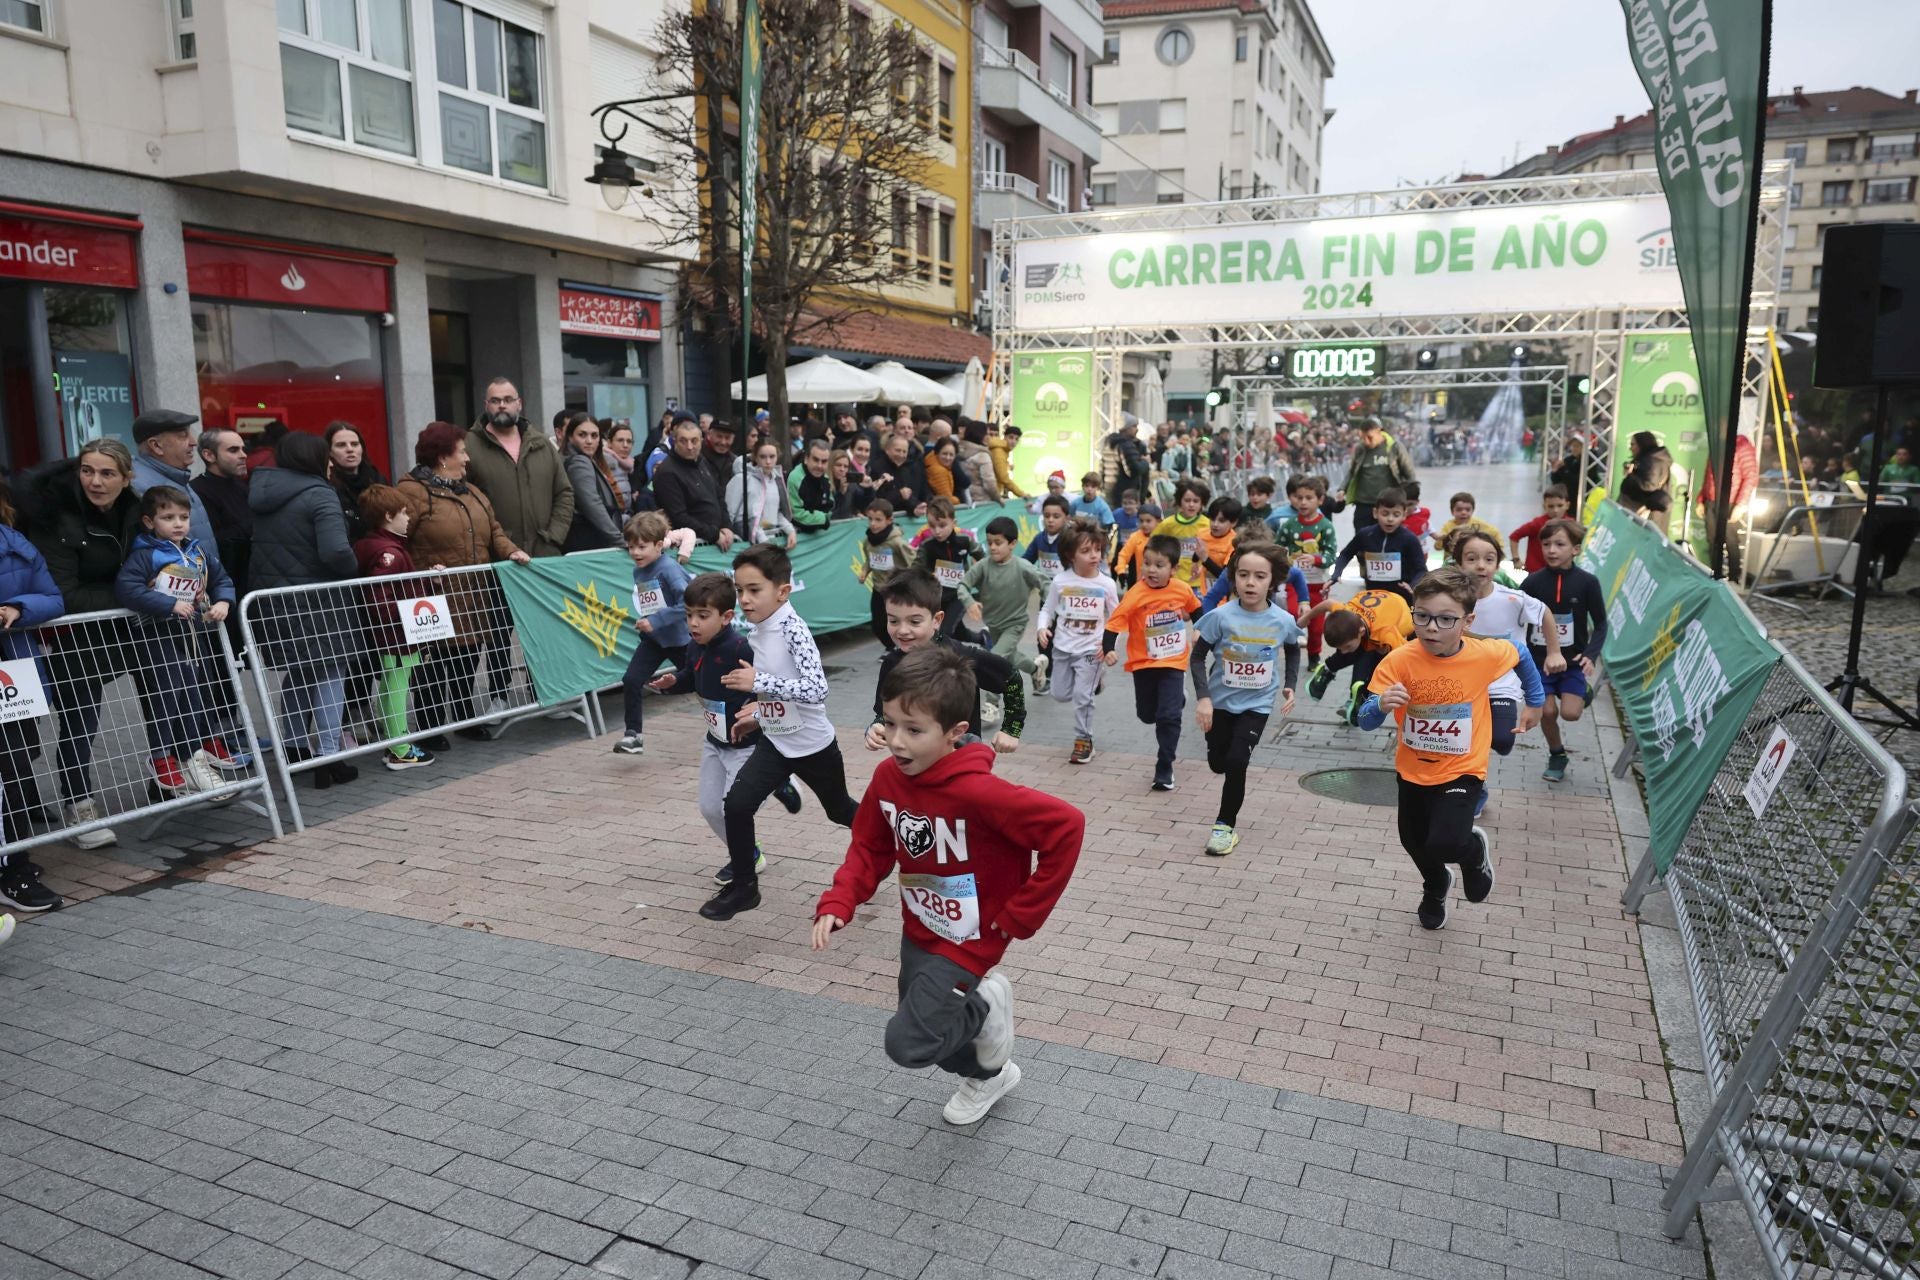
x,y
1220,594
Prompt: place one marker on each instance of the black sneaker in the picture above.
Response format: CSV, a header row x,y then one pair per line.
x,y
724,876
1317,682
732,900
789,795
1433,906
438,742
24,893
1477,877
1163,777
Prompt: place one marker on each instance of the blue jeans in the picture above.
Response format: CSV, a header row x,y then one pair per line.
x,y
647,658
315,697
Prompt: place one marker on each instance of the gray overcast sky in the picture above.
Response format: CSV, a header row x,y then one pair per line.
x,y
1422,96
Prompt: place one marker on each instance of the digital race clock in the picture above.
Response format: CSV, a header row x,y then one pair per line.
x,y
1336,363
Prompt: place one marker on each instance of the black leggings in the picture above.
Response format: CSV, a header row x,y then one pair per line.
x,y
1436,826
877,619
1506,719
764,773
1230,745
1159,698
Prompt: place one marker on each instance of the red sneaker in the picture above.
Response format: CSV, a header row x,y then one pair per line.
x,y
167,772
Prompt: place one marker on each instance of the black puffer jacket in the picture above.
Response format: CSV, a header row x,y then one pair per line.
x,y
84,546
300,538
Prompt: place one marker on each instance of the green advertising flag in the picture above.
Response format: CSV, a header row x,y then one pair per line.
x,y
1053,407
1704,66
1660,392
1685,661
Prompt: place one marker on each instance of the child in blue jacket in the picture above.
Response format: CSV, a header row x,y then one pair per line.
x,y
28,597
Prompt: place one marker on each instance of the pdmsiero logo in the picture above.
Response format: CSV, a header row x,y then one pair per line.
x,y
1656,251
1050,281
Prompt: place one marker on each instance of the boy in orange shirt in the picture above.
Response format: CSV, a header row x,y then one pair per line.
x,y
1154,613
1361,631
1437,691
1216,541
1126,565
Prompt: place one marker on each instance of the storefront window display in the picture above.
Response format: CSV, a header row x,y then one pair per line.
x,y
607,342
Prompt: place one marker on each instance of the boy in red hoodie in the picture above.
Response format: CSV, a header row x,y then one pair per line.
x,y
981,862
384,553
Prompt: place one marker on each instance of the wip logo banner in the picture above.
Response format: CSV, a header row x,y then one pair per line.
x,y
424,614
1054,282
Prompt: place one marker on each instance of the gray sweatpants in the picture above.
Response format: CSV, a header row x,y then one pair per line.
x,y
1007,645
936,1025
718,767
1076,678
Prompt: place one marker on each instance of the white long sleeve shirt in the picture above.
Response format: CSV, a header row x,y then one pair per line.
x,y
790,685
1076,611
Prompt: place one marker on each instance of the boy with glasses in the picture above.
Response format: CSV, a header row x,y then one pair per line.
x,y
1436,690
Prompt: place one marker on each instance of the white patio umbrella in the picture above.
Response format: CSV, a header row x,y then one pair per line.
x,y
821,380
904,386
955,385
973,395
1152,397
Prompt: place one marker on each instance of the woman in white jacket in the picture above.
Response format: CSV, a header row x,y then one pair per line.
x,y
764,490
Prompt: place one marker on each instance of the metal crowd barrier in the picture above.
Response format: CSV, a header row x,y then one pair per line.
x,y
390,660
1812,547
118,719
1799,912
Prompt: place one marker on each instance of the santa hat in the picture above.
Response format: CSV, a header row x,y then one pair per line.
x,y
1061,476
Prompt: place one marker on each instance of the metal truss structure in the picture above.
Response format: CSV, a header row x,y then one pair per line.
x,y
1604,329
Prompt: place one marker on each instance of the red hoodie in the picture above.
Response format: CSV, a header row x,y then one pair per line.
x,y
380,554
965,842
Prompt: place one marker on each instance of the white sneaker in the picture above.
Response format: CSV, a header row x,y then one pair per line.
x,y
1040,665
6,926
971,1102
202,773
994,1045
86,810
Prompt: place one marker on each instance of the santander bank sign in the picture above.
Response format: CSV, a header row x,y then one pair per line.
x,y
102,252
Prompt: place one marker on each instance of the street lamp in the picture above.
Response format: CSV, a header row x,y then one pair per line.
x,y
614,175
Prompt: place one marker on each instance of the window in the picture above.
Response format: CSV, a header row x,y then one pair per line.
x,y
28,15
923,239
1816,278
1059,182
1236,184
1786,278
1836,193
1780,318
992,28
1171,187
180,14
1173,114
1797,152
1790,236
1174,46
900,217
1891,146
492,101
946,102
1239,115
1889,190
993,157
1793,195
1813,319
1840,150
1110,48
1239,46
348,64
946,248
1060,62
1102,193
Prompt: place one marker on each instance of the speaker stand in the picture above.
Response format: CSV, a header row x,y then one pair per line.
x,y
1850,684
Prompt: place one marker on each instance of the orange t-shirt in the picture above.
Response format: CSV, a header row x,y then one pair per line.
x,y
1131,554
1446,730
1219,550
1155,620
1389,621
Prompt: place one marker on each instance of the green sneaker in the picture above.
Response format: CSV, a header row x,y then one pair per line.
x,y
1350,712
1317,680
1223,841
1556,770
724,876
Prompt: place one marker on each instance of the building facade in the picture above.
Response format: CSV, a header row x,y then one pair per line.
x,y
1203,100
321,209
1854,158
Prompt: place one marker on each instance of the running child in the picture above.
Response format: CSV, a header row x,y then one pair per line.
x,y
1216,542
1502,613
1077,607
1127,563
660,616
1361,631
790,706
1187,522
1056,488
1307,535
1436,690
1234,698
1002,587
1258,511
1154,614
1554,505
1390,557
385,553
1127,519
1290,594
945,552
913,617
1092,505
1460,509
1419,520
981,862
883,553
1579,618
1043,552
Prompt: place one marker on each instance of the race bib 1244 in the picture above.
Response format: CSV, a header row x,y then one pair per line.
x,y
1441,729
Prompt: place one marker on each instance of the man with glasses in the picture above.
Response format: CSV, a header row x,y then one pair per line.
x,y
1436,691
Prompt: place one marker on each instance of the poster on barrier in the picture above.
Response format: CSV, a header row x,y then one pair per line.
x,y
426,619
21,696
1685,661
1768,770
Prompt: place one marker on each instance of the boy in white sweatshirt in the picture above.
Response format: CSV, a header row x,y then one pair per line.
x,y
1072,621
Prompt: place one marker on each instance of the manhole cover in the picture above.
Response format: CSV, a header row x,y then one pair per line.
x,y
1355,786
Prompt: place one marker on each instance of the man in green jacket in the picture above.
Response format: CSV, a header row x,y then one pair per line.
x,y
521,473
1379,463
810,489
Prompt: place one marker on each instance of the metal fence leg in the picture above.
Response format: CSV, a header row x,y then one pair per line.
x,y
1624,765
1643,877
280,745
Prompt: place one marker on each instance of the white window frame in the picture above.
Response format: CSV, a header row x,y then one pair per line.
x,y
423,10
179,28
993,157
361,56
1059,182
1169,107
46,31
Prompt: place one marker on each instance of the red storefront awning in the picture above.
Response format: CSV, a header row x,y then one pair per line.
x,y
249,269
63,246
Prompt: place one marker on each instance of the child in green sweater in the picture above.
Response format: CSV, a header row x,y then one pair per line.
x,y
883,553
1001,588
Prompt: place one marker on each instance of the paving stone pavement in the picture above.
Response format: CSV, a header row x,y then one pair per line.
x,y
206,1080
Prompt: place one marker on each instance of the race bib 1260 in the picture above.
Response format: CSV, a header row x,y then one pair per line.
x,y
1441,729
949,906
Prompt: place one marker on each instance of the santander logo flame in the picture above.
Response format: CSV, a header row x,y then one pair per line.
x,y
292,280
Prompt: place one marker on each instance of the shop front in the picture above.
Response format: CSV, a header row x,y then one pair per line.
x,y
67,281
609,347
290,332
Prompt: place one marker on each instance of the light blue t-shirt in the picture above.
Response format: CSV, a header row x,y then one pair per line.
x,y
1246,668
1097,508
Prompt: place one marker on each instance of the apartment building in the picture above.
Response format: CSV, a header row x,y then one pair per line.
x,y
320,209
1854,160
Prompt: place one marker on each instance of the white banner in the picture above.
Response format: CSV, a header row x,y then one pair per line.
x,y
426,619
1542,257
21,696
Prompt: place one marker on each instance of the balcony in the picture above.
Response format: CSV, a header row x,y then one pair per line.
x,y
1011,87
1082,17
1007,195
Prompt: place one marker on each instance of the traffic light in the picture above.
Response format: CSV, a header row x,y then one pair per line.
x,y
1222,394
1427,359
1582,385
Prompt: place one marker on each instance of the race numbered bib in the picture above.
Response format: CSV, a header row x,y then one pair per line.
x,y
716,717
648,598
1563,625
178,586
776,718
880,559
1441,729
1189,548
1080,606
1246,671
1383,566
1049,564
949,573
1312,569
1166,637
949,906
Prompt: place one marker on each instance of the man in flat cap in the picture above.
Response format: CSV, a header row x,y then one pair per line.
x,y
163,454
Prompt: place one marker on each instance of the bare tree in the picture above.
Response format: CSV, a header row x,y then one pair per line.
x,y
847,120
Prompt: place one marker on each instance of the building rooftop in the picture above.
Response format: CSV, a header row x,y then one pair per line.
x,y
1119,9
